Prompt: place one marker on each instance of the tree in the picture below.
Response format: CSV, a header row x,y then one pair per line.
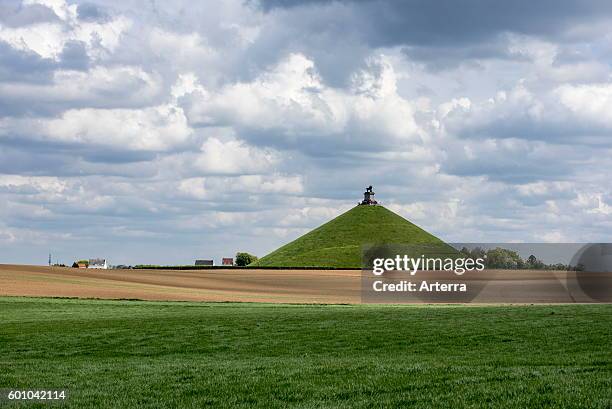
x,y
244,259
531,260
534,263
503,258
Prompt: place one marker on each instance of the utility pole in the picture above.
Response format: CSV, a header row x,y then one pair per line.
x,y
49,259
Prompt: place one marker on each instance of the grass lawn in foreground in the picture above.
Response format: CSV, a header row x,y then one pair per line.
x,y
177,354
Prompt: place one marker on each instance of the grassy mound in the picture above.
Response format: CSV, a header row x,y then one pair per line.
x,y
339,242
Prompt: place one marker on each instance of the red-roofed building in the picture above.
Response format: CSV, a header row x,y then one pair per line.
x,y
227,261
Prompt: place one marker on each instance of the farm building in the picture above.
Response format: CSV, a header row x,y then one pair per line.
x,y
98,263
227,261
204,263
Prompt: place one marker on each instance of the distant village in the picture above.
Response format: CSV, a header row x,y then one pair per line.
x,y
241,259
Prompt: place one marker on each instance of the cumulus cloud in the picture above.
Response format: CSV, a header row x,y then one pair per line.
x,y
31,184
15,14
232,157
592,103
99,87
152,129
48,37
205,188
290,106
556,114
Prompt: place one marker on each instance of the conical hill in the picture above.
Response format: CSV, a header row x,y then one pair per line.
x,y
339,242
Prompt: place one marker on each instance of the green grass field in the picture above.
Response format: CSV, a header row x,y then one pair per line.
x,y
163,354
338,243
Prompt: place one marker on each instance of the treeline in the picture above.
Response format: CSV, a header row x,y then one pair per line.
x,y
509,259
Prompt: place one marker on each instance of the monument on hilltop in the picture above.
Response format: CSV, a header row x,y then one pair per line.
x,y
368,199
340,242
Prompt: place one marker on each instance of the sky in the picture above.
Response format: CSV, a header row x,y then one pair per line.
x,y
159,132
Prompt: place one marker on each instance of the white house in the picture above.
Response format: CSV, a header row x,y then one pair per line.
x,y
98,263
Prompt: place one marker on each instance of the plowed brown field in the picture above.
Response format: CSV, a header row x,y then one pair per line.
x,y
277,286
281,286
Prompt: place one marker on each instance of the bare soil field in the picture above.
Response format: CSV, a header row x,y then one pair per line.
x,y
280,286
276,286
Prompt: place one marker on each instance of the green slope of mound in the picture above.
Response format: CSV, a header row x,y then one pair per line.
x,y
339,242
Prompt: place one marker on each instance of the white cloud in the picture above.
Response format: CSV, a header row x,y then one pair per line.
x,y
32,183
186,83
29,237
181,49
592,203
275,183
48,39
151,129
193,187
232,157
292,102
215,188
311,216
548,64
554,236
289,95
505,110
43,197
589,102
544,188
98,87
62,9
